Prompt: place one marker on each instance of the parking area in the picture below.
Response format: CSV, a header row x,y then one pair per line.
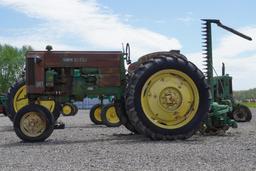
x,y
85,146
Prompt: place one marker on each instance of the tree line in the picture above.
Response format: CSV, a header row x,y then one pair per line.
x,y
245,95
12,63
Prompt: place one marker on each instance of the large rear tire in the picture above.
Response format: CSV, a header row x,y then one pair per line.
x,y
167,98
17,99
122,114
33,123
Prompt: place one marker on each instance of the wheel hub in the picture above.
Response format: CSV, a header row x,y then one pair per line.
x,y
112,116
67,110
32,124
170,99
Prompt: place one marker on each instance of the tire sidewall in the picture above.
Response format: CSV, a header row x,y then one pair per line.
x,y
104,116
180,65
44,112
10,99
92,115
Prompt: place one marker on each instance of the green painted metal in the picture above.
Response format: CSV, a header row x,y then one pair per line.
x,y
222,101
207,51
84,84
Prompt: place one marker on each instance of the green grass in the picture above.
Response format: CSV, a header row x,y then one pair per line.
x,y
250,104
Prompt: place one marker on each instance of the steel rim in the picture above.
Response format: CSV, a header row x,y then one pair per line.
x,y
32,124
66,109
97,114
111,115
20,100
170,99
240,115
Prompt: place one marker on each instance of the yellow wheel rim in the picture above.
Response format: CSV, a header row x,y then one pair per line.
x,y
20,100
97,114
32,124
66,110
111,115
170,99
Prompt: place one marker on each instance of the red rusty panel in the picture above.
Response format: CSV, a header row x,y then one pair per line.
x,y
38,86
109,70
109,80
82,59
108,64
35,90
2,109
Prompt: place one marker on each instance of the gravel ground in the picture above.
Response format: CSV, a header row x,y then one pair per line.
x,y
84,146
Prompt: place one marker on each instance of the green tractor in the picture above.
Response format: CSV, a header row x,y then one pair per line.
x,y
223,91
163,95
17,98
222,102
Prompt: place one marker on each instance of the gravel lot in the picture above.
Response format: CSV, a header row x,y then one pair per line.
x,y
84,146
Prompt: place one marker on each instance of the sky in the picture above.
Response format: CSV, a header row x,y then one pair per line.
x,y
147,25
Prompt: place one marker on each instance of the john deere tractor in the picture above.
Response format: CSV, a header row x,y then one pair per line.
x,y
223,91
163,95
222,102
17,98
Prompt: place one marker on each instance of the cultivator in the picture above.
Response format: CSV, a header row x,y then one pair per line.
x,y
162,95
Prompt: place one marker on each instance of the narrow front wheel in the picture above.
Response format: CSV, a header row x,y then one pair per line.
x,y
33,123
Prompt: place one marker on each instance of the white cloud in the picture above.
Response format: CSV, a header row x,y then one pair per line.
x,y
91,23
96,27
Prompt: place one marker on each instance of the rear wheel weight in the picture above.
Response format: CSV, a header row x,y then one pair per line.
x,y
95,114
109,116
167,98
33,123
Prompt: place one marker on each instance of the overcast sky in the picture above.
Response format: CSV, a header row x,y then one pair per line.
x,y
146,24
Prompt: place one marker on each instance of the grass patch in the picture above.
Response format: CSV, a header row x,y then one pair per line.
x,y
250,104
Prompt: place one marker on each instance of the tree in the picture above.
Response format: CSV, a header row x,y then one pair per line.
x,y
12,62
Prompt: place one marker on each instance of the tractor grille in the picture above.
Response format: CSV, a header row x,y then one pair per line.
x,y
30,71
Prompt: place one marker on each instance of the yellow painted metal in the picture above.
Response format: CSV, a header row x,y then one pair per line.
x,y
67,110
97,114
20,100
170,99
111,115
32,124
